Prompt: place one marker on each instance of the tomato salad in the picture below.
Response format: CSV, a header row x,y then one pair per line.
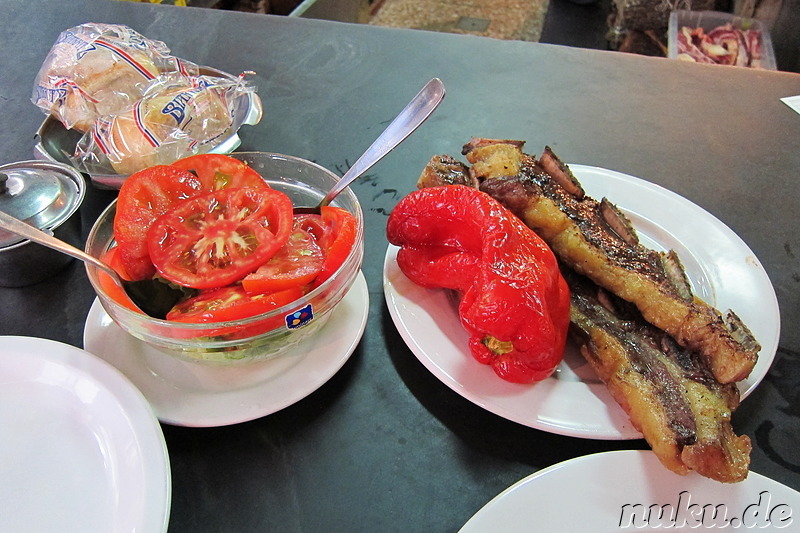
x,y
211,224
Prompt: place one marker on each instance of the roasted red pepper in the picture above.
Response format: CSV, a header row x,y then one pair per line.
x,y
514,301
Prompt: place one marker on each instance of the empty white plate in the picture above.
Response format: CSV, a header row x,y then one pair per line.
x,y
631,491
80,447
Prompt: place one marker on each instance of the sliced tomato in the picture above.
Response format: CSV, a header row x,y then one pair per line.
x,y
313,224
216,239
341,230
219,171
112,259
143,197
230,303
296,264
149,193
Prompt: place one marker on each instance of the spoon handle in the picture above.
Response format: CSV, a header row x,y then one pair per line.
x,y
409,119
15,225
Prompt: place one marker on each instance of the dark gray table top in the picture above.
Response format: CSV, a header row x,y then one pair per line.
x,y
384,445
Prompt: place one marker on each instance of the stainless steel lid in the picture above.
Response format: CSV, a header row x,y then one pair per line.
x,y
43,194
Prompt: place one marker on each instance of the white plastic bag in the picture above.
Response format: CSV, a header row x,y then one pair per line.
x,y
96,69
177,116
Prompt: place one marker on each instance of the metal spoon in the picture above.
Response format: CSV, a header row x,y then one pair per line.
x,y
152,297
409,119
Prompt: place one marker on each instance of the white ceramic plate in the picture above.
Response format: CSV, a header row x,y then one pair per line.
x,y
611,491
80,448
722,269
193,394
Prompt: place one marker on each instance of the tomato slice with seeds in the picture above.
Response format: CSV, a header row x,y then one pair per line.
x,y
296,264
219,171
217,238
340,237
143,197
149,193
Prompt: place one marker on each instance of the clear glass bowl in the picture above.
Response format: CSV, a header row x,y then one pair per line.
x,y
262,336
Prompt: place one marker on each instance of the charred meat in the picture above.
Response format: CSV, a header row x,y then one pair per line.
x,y
667,391
670,360
597,240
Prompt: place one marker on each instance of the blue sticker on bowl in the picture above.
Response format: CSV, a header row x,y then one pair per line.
x,y
299,318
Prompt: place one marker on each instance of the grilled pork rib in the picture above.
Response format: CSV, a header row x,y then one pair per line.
x,y
667,391
680,398
597,240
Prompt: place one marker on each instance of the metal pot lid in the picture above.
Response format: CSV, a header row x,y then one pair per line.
x,y
43,194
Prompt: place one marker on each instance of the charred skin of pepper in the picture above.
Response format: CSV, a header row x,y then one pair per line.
x,y
514,301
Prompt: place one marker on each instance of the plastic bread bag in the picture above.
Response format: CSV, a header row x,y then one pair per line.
x,y
97,69
176,117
